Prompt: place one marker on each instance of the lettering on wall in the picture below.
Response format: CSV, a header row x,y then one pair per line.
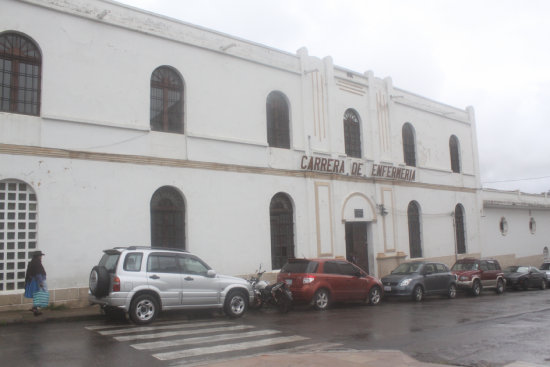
x,y
355,168
398,173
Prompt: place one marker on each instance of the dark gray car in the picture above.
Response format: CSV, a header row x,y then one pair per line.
x,y
419,278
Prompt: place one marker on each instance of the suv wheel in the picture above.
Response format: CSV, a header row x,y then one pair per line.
x,y
144,309
500,286
375,296
321,299
476,288
418,293
235,304
99,281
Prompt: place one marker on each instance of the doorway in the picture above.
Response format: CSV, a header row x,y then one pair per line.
x,y
357,244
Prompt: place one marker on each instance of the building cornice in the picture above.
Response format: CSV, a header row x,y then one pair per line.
x,y
11,149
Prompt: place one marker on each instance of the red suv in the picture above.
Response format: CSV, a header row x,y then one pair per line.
x,y
324,281
475,274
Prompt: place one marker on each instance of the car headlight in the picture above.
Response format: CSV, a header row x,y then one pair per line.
x,y
405,282
464,278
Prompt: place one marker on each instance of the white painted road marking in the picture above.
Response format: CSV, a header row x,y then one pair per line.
x,y
180,333
227,348
202,339
181,325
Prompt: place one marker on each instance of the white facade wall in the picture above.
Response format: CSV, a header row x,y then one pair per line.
x,y
94,162
519,243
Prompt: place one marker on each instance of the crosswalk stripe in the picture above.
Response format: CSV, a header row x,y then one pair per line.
x,y
100,327
181,325
202,339
180,332
227,348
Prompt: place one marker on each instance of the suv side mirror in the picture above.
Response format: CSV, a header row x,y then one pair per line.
x,y
211,273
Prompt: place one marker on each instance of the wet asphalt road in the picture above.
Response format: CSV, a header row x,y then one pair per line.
x,y
485,331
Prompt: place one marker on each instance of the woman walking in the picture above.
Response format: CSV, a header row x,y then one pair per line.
x,y
35,280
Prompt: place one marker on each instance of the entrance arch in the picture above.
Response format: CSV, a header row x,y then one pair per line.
x,y
357,215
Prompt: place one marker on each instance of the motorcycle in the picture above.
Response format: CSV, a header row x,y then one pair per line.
x,y
277,294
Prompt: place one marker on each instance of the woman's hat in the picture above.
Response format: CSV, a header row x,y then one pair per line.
x,y
38,253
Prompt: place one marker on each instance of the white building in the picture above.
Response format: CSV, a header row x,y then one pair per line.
x,y
120,127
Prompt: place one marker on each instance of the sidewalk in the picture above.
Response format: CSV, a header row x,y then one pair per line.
x,y
349,358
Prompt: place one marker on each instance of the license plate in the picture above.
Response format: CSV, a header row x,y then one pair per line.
x,y
288,281
387,288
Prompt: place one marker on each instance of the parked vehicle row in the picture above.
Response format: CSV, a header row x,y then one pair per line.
x,y
141,281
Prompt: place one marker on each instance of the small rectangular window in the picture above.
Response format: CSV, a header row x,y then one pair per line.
x,y
132,262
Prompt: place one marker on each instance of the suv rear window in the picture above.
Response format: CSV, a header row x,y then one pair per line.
x,y
300,267
109,261
464,266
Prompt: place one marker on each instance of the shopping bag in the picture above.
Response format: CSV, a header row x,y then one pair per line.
x,y
41,298
30,288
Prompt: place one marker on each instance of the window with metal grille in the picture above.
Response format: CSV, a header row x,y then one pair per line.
x,y
18,232
166,100
415,244
167,218
454,148
460,229
409,145
282,230
352,134
278,121
20,74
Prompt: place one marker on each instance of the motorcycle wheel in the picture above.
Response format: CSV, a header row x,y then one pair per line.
x,y
257,304
284,303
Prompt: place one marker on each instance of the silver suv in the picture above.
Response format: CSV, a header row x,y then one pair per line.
x,y
141,281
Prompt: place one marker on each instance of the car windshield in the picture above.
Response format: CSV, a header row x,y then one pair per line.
x,y
545,266
516,269
407,268
300,267
464,266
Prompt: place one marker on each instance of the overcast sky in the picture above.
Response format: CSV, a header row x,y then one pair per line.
x,y
493,55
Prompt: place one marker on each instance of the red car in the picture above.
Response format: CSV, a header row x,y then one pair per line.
x,y
324,281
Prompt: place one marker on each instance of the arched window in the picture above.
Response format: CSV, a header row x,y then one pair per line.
x,y
503,226
409,145
352,134
278,121
281,216
415,244
20,74
532,225
454,148
166,100
167,218
18,232
460,229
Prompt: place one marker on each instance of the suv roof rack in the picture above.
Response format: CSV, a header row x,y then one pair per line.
x,y
165,248
147,248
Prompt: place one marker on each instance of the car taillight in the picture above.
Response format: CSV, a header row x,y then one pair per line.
x,y
308,279
116,284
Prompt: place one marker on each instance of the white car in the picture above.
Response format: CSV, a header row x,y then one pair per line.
x,y
141,281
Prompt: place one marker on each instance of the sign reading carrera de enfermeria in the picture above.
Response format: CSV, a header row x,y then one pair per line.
x,y
340,166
